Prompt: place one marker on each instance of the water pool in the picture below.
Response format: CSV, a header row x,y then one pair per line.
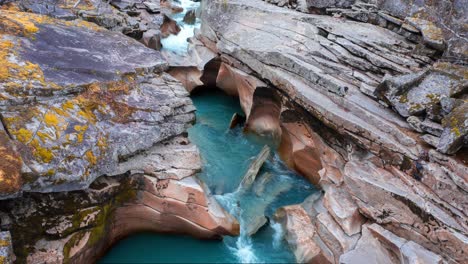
x,y
226,155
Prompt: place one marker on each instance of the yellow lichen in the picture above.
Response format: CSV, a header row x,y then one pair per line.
x,y
23,135
102,143
90,157
51,119
44,136
81,131
44,154
4,243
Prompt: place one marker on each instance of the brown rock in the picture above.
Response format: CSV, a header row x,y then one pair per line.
x,y
343,209
264,118
167,197
304,150
169,27
237,83
300,233
236,120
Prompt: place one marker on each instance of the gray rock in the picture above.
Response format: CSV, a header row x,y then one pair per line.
x,y
6,248
431,140
431,127
415,123
254,168
455,130
75,117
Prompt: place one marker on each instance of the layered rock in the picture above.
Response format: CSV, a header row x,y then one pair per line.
x,y
146,21
159,193
93,143
439,25
336,81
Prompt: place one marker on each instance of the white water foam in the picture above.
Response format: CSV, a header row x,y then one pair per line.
x,y
178,43
278,235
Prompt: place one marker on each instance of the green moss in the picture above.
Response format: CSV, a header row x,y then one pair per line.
x,y
73,241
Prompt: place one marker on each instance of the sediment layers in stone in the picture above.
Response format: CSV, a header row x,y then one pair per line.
x,y
341,134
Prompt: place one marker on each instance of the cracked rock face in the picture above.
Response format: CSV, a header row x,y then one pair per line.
x,y
73,119
92,143
160,193
389,196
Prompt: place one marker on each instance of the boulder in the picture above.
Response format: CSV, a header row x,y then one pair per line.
x,y
254,168
152,39
190,17
169,27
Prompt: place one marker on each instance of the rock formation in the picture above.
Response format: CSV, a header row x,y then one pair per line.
x,y
93,143
367,99
357,104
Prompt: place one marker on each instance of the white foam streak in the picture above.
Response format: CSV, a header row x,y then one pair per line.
x,y
278,235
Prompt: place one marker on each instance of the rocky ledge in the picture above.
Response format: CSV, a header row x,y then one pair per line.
x,y
93,143
366,113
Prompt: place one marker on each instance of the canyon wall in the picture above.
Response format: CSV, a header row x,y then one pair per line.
x,y
373,113
93,141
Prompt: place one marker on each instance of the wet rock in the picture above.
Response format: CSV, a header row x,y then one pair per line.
x,y
198,68
264,117
254,168
169,27
303,150
238,83
254,224
158,192
260,186
237,119
190,17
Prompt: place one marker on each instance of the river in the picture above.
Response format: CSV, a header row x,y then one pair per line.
x,y
226,155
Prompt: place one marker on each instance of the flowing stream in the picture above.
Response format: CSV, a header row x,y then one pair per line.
x,y
226,156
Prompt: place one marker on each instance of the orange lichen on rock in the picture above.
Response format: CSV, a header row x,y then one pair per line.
x,y
10,167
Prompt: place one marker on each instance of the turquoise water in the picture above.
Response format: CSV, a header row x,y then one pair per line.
x,y
226,155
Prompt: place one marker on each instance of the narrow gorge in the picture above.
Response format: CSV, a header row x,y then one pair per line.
x,y
233,131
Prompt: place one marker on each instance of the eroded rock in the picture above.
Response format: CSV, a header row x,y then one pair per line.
x,y
161,194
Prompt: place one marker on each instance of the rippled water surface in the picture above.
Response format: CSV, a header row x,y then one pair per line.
x,y
226,156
